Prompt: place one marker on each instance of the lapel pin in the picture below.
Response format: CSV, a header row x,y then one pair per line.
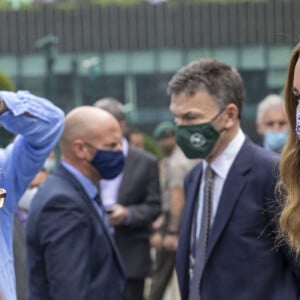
x,y
2,197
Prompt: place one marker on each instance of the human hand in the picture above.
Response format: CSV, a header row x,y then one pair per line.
x,y
158,222
156,240
118,215
170,242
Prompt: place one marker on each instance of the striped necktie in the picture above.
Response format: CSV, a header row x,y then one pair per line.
x,y
201,244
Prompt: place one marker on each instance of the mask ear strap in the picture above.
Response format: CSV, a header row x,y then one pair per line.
x,y
218,114
222,110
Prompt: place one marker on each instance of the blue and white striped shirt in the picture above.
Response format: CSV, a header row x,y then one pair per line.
x,y
37,134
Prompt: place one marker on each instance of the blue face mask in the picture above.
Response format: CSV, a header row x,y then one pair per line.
x,y
108,163
275,140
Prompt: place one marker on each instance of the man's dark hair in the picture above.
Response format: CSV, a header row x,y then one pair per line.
x,y
220,80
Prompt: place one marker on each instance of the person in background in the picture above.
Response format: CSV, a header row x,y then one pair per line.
x,y
135,138
71,254
173,168
38,125
228,247
288,186
271,123
133,201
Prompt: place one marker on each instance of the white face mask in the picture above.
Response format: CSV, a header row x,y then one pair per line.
x,y
49,165
26,199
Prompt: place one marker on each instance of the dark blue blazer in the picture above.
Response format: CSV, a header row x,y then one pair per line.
x,y
71,254
242,261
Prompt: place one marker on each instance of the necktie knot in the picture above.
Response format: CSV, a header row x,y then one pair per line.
x,y
209,174
99,203
98,200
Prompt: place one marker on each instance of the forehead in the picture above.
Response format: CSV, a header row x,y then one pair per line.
x,y
274,113
109,132
136,136
200,101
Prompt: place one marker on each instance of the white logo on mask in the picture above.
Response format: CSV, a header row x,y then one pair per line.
x,y
197,140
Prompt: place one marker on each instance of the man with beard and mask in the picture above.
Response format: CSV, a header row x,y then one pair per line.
x,y
71,254
173,168
227,243
271,123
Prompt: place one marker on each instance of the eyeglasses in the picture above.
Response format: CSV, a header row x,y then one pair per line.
x,y
2,197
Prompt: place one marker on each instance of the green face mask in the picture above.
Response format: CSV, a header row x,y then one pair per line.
x,y
197,141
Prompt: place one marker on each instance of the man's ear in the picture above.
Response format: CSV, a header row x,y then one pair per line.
x,y
231,115
79,149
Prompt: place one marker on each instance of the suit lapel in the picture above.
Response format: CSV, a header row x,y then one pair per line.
x,y
191,196
63,172
104,227
233,187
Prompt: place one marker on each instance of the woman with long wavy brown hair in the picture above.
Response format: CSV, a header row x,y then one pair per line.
x,y
289,184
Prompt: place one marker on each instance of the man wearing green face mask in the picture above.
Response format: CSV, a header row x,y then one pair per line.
x,y
226,244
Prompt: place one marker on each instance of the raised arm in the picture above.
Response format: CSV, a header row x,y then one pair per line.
x,y
38,125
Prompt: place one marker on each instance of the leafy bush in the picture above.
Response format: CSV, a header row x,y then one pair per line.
x,y
151,146
6,83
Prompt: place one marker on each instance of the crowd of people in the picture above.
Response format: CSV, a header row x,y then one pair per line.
x,y
106,215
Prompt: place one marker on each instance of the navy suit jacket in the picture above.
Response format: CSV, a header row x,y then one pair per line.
x,y
140,194
242,261
71,254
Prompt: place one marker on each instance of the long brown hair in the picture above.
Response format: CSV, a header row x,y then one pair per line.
x,y
289,183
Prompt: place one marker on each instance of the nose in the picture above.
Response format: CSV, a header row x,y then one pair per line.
x,y
276,126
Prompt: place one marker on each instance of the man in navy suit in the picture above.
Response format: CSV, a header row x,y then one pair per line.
x,y
71,254
227,247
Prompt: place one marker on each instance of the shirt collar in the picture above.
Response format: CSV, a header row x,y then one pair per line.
x,y
86,183
222,163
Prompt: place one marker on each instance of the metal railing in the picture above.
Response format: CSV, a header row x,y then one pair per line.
x,y
97,28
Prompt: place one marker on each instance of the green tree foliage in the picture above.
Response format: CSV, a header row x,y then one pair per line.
x,y
151,146
6,83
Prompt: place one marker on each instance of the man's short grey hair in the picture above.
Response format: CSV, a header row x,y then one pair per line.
x,y
113,106
267,103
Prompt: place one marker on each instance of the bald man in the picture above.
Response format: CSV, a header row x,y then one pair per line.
x,y
71,254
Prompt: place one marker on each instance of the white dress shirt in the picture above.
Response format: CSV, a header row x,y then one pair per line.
x,y
221,166
109,189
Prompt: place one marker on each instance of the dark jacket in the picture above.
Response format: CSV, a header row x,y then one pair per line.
x,y
140,194
242,261
71,254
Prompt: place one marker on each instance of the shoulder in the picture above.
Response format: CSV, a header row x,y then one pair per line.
x,y
57,191
259,154
179,160
142,155
194,172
